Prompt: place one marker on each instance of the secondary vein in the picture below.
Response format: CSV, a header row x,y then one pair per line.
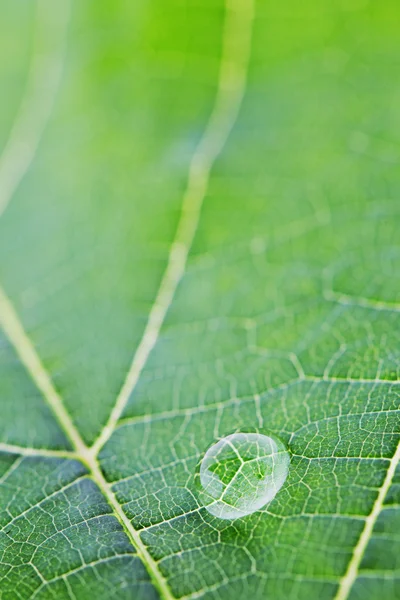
x,y
349,578
231,88
31,361
41,89
29,358
25,451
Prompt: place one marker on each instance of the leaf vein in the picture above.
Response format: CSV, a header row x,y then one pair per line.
x,y
44,73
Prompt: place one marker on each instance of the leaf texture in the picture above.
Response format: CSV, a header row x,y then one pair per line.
x,y
198,234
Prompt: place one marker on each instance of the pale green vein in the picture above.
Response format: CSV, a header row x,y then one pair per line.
x,y
29,358
261,575
16,160
23,451
41,89
11,469
360,301
195,410
231,88
34,366
43,501
79,569
229,402
351,574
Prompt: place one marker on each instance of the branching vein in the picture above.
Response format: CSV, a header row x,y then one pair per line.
x,y
34,366
362,302
231,87
350,576
29,358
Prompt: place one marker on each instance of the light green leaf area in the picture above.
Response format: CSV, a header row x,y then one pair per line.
x,y
199,234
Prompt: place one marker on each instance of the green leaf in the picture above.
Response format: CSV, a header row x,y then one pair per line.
x,y
199,234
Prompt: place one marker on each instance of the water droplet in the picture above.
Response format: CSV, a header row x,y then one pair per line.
x,y
241,473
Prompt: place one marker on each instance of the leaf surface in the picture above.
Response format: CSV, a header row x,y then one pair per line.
x,y
198,234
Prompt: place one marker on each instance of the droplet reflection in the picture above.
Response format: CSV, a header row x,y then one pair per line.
x,y
241,473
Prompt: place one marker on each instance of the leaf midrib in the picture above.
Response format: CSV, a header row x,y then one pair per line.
x,y
239,15
230,90
41,378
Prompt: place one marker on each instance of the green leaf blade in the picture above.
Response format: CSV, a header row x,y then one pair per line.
x,y
191,246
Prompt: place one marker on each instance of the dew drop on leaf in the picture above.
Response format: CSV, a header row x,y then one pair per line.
x,y
241,473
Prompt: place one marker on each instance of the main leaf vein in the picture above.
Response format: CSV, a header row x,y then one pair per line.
x,y
230,90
